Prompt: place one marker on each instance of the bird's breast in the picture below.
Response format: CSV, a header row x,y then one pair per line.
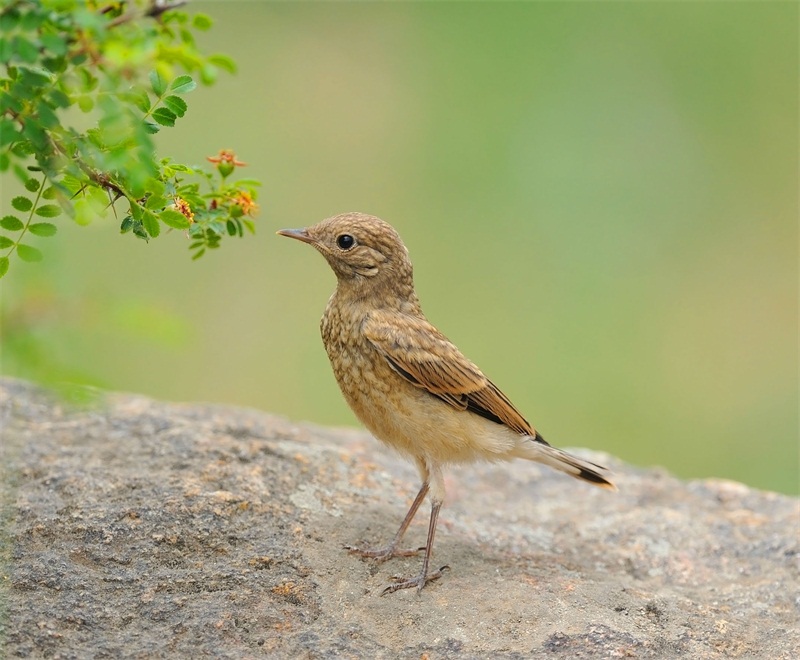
x,y
362,374
404,416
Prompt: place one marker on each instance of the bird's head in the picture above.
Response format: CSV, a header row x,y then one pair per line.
x,y
365,252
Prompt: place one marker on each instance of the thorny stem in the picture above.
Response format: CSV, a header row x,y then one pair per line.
x,y
102,179
157,7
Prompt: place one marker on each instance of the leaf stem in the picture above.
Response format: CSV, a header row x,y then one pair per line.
x,y
30,217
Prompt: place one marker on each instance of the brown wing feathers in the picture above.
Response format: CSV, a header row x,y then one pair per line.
x,y
408,344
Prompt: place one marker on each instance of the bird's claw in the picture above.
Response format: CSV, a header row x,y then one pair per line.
x,y
383,554
419,582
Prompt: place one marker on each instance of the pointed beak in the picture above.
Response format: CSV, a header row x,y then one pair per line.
x,y
299,234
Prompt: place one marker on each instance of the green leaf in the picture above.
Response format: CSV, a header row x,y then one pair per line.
x,y
179,167
179,17
182,85
9,102
202,22
223,62
9,19
46,116
32,185
158,83
5,242
34,77
38,141
55,64
88,80
19,172
23,149
25,50
6,50
176,104
59,99
151,128
31,21
164,116
43,229
49,192
71,185
3,266
197,254
138,96
214,231
187,37
156,187
139,232
11,223
86,102
208,74
54,43
28,253
90,205
174,219
196,201
8,131
150,222
156,202
49,211
22,204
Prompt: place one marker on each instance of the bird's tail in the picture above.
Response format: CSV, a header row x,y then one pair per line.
x,y
536,449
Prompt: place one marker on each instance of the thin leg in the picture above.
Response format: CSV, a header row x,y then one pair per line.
x,y
423,578
391,550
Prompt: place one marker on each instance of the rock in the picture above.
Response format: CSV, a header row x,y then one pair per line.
x,y
151,530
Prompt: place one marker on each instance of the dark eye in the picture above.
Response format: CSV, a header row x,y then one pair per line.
x,y
345,241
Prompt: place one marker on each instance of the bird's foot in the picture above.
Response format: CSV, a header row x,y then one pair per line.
x,y
419,582
382,554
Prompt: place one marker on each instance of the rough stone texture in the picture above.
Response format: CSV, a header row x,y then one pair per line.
x,y
143,529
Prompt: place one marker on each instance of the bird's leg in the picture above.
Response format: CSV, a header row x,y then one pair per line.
x,y
425,576
391,550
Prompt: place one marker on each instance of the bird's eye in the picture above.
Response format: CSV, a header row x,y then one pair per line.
x,y
345,241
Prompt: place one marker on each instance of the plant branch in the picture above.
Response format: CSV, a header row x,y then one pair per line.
x,y
157,7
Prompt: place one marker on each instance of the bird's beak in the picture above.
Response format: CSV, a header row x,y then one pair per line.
x,y
299,234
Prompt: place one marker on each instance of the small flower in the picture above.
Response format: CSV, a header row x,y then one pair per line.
x,y
243,204
182,206
226,161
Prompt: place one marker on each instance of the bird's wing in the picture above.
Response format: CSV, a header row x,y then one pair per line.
x,y
421,354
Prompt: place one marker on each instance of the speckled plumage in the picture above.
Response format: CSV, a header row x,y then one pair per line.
x,y
409,385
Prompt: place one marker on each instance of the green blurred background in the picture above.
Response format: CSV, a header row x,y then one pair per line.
x,y
600,200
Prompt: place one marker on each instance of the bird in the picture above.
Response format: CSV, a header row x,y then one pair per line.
x,y
408,384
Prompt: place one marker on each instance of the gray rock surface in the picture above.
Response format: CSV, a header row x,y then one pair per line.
x,y
141,529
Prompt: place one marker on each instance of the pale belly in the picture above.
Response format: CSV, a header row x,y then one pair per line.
x,y
410,419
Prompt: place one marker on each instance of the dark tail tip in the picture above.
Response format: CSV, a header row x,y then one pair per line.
x,y
595,478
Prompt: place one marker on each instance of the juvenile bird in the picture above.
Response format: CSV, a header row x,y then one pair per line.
x,y
409,385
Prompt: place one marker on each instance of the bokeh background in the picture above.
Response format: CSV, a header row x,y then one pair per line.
x,y
600,199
